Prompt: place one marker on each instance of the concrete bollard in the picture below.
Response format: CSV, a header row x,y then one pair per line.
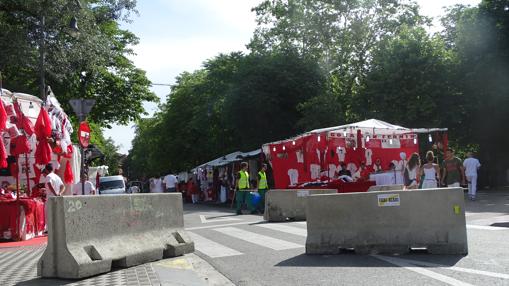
x,y
88,235
282,205
387,222
381,188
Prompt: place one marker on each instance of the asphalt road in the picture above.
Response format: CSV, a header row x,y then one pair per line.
x,y
249,251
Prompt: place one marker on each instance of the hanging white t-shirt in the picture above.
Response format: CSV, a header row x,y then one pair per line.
x,y
55,181
89,187
315,171
294,176
300,156
170,181
471,165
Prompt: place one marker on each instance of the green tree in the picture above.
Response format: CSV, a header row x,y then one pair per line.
x,y
98,50
408,82
480,38
340,35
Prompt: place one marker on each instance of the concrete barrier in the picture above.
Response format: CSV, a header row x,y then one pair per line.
x,y
387,222
88,235
282,205
382,188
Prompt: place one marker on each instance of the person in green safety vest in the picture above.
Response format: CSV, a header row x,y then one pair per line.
x,y
242,194
263,186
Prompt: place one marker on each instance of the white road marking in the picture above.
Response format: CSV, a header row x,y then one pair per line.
x,y
210,248
459,269
262,240
486,227
223,225
204,219
491,220
420,270
285,228
301,222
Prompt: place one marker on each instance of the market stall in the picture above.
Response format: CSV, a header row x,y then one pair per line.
x,y
217,177
315,158
34,133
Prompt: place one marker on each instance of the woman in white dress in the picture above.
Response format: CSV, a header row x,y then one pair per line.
x,y
431,172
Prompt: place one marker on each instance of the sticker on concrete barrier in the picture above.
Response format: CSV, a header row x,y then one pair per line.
x,y
302,193
388,200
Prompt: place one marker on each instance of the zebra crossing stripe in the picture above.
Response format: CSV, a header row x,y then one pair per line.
x,y
285,228
255,238
210,248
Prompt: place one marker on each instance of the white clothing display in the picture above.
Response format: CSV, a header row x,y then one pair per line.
x,y
315,171
55,181
369,155
300,156
294,176
341,153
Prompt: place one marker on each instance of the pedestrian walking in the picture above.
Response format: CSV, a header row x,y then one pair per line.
x,y
242,193
170,183
263,186
452,170
411,170
78,187
156,185
471,166
430,172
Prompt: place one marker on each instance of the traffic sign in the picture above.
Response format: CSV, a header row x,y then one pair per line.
x,y
82,107
84,134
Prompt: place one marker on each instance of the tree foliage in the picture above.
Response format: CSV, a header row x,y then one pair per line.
x,y
235,102
320,63
91,62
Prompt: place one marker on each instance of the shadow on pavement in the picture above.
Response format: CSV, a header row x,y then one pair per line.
x,y
354,260
46,282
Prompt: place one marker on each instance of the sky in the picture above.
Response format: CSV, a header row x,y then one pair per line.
x,y
179,35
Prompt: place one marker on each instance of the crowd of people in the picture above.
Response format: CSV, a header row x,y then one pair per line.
x,y
453,172
426,173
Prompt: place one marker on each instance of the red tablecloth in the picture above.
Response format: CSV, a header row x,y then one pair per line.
x,y
342,187
24,218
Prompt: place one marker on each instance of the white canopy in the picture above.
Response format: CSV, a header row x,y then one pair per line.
x,y
367,127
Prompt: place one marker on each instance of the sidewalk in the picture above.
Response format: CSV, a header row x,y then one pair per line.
x,y
18,266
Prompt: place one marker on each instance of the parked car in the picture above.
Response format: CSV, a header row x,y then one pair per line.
x,y
134,187
112,185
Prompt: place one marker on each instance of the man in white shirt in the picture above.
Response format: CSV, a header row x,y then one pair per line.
x,y
170,183
89,187
471,166
54,185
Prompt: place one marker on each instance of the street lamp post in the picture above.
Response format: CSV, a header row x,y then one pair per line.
x,y
42,59
73,25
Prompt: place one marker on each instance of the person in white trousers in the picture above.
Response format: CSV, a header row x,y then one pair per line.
x,y
471,165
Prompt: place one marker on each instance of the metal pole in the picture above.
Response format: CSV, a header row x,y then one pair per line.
x,y
82,170
42,48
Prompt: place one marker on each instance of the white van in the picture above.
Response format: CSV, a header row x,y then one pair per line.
x,y
111,185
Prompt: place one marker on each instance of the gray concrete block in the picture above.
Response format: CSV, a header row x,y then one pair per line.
x,y
381,188
387,222
282,205
88,235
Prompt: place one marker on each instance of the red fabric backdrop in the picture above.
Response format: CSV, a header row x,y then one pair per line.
x,y
317,153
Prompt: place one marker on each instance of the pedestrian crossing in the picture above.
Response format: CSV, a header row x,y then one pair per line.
x,y
264,235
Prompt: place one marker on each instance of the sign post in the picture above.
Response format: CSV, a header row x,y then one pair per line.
x,y
82,107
